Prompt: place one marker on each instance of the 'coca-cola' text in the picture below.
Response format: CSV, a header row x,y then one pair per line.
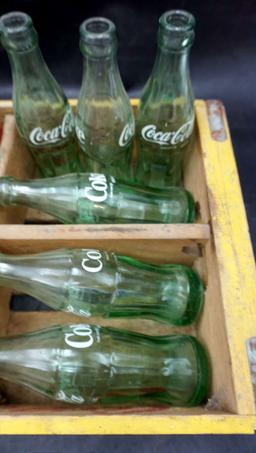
x,y
99,188
126,134
151,134
39,138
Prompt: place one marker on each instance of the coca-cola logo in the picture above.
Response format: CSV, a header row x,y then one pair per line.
x,y
126,134
151,134
80,337
93,261
99,188
39,137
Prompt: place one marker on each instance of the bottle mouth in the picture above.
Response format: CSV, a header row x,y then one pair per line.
x,y
17,32
98,26
14,23
98,36
177,20
176,29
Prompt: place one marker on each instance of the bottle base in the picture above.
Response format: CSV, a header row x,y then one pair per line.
x,y
195,300
203,370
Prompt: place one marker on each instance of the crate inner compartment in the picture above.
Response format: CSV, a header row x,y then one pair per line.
x,y
210,328
17,162
195,250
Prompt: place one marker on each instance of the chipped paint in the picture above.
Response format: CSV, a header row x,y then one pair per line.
x,y
251,353
215,113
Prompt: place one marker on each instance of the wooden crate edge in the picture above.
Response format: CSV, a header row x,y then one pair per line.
x,y
126,424
234,252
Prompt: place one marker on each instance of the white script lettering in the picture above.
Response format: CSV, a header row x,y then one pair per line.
x,y
38,137
98,184
92,257
126,134
80,331
151,134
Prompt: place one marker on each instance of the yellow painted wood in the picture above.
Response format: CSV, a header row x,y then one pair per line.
x,y
127,424
234,253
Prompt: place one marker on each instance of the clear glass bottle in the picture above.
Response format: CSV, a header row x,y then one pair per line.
x,y
97,283
104,122
83,364
165,118
43,116
96,198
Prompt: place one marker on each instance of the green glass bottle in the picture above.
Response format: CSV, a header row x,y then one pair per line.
x,y
96,198
165,118
84,364
94,282
43,116
104,121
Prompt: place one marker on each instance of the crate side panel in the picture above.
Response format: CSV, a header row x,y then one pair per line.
x,y
236,266
194,180
211,330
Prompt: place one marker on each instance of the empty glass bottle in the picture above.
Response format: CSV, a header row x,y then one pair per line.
x,y
94,282
43,116
165,118
104,122
84,364
96,198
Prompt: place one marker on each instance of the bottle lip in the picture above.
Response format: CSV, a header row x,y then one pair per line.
x,y
98,37
15,23
17,33
176,31
177,20
99,28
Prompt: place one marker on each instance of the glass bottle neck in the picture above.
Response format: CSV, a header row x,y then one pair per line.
x,y
172,66
29,63
22,363
11,273
169,81
41,276
28,193
23,273
55,195
101,76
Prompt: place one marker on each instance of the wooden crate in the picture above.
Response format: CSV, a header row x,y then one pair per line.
x,y
218,246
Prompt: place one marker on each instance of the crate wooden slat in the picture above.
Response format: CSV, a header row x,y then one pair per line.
x,y
218,246
117,238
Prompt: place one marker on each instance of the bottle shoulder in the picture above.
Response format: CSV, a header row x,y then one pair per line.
x,y
51,116
167,113
167,97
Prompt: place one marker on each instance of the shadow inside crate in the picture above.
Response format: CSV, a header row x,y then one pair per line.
x,y
23,302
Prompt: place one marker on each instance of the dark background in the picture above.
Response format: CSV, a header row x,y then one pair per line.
x,y
223,66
